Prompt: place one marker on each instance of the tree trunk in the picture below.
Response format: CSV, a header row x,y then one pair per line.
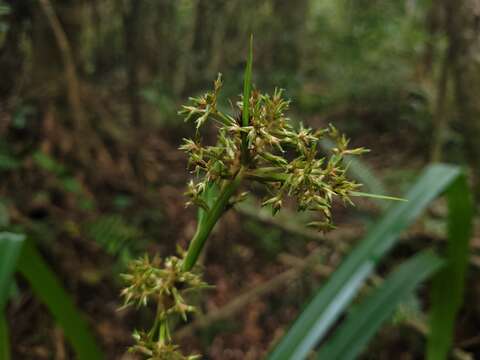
x,y
11,55
463,28
207,18
68,62
440,116
290,19
131,18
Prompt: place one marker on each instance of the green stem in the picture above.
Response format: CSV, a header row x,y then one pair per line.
x,y
211,217
260,175
156,323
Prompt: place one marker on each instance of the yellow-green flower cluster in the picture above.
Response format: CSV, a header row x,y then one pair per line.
x,y
285,159
164,284
155,350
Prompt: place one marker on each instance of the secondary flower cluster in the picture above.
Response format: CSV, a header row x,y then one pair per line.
x,y
285,159
164,284
156,350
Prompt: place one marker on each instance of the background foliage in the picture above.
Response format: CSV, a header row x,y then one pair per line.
x,y
91,173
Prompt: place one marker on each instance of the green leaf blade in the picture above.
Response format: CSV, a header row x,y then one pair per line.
x,y
331,300
10,247
247,85
49,290
366,318
448,285
4,338
375,196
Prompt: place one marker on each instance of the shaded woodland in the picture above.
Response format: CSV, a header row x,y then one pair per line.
x,y
92,175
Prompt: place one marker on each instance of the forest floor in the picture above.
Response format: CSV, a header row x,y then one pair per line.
x,y
262,273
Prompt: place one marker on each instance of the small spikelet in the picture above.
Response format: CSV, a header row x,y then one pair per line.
x,y
163,283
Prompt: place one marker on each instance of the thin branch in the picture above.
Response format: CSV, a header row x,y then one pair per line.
x,y
73,88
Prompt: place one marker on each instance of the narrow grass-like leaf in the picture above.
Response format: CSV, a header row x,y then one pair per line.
x,y
375,196
367,317
4,338
448,284
331,300
48,289
247,85
247,89
10,246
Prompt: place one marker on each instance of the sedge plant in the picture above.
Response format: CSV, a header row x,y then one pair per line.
x,y
258,143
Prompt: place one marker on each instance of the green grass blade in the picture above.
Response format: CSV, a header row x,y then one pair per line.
x,y
10,247
367,317
247,85
330,301
48,289
247,89
4,338
448,284
375,196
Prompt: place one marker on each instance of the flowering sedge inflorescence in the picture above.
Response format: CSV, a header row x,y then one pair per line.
x,y
284,159
269,150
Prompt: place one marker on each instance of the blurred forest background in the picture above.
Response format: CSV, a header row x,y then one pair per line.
x,y
91,171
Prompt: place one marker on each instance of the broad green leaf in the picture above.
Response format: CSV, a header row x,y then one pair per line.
x,y
448,284
331,300
367,317
4,338
48,289
10,246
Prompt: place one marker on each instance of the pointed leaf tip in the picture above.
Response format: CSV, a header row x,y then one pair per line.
x,y
247,84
